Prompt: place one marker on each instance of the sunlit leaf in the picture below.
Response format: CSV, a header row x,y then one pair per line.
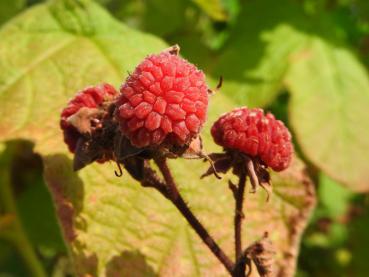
x,y
329,87
255,59
334,197
113,225
328,110
214,8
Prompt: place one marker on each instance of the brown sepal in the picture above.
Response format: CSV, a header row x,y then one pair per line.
x,y
85,120
123,149
262,253
173,50
221,163
84,154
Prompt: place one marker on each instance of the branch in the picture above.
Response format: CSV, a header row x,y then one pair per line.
x,y
168,178
238,213
170,191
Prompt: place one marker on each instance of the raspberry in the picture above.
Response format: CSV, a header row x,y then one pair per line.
x,y
163,101
255,134
90,98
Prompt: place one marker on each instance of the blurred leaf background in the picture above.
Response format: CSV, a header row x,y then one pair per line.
x,y
305,60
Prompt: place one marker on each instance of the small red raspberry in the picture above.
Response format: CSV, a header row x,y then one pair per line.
x,y
91,98
255,134
164,100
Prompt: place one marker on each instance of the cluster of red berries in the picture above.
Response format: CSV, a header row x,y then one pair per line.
x,y
163,104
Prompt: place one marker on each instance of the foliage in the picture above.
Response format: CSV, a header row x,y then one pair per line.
x,y
307,60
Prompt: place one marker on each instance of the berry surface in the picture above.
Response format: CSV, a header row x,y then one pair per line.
x,y
256,134
164,100
90,97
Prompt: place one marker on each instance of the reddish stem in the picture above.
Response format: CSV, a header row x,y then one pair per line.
x,y
175,197
238,215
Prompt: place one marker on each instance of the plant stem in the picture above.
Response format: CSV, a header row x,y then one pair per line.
x,y
168,178
175,197
238,214
19,236
238,192
240,267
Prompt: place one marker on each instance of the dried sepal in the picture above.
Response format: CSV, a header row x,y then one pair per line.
x,y
221,163
262,253
123,149
258,174
85,120
84,154
194,150
219,85
250,169
135,167
239,162
173,50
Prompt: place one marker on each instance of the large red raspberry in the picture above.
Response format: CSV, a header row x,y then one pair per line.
x,y
163,101
255,134
91,97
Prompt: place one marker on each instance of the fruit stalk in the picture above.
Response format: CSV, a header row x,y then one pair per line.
x,y
238,215
175,197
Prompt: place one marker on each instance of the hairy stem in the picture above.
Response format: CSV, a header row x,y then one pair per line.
x,y
240,267
175,197
168,178
238,214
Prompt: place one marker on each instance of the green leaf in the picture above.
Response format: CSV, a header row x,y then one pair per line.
x,y
328,85
9,260
107,220
10,8
256,57
334,198
27,215
359,228
52,51
363,9
159,17
164,17
214,8
113,225
328,111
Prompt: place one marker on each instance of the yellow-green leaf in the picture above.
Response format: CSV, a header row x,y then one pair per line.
x,y
329,110
113,225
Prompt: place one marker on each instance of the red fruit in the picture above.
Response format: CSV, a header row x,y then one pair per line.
x,y
91,98
255,134
164,100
